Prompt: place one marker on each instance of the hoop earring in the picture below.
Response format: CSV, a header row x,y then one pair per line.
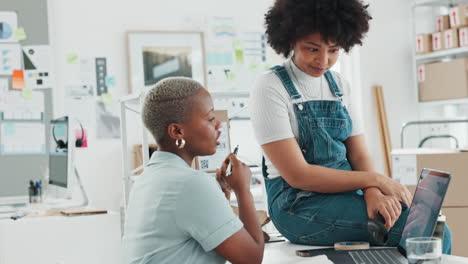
x,y
180,144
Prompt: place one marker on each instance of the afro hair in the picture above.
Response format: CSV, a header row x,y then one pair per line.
x,y
344,22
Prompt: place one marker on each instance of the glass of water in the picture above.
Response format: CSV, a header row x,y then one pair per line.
x,y
427,250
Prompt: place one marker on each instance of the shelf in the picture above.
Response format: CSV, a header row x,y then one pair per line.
x,y
446,102
443,54
437,3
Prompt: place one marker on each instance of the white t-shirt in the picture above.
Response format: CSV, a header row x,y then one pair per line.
x,y
271,108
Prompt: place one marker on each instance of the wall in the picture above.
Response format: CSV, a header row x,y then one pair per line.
x,y
386,60
97,28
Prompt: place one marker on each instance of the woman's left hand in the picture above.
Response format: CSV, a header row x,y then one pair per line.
x,y
223,183
388,206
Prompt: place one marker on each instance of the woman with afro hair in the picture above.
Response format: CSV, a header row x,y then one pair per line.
x,y
321,185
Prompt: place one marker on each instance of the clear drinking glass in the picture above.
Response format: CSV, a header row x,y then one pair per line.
x,y
427,250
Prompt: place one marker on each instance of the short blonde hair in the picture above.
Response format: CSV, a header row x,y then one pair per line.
x,y
168,102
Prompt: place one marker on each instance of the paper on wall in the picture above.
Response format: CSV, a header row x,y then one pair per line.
x,y
80,78
8,26
37,61
404,169
4,84
22,138
108,121
17,107
213,162
10,58
81,108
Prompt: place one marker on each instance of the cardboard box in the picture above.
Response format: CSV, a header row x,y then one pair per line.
x,y
451,38
457,218
463,36
423,43
443,80
437,41
407,165
458,16
442,23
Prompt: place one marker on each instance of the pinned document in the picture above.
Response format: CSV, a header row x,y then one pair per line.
x,y
20,34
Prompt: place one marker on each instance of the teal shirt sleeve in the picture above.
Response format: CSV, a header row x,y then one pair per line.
x,y
203,212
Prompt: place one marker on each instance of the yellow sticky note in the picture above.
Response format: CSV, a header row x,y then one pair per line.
x,y
231,76
72,58
27,93
106,98
239,56
20,34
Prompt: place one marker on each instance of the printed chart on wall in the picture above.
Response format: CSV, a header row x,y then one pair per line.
x,y
233,58
8,26
211,163
37,66
22,138
18,107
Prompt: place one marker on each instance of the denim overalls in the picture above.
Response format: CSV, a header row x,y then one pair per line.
x,y
313,218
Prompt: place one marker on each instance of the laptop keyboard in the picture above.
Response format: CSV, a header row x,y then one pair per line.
x,y
381,256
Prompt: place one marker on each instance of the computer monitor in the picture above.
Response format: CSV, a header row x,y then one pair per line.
x,y
60,152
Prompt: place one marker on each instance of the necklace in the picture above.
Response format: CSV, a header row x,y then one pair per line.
x,y
304,89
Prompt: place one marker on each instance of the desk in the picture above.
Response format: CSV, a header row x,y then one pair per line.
x,y
93,239
285,253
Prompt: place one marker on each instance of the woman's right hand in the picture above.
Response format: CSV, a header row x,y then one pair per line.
x,y
239,180
392,188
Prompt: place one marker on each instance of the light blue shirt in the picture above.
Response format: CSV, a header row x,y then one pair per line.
x,y
176,215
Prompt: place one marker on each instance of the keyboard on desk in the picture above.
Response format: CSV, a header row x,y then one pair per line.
x,y
381,256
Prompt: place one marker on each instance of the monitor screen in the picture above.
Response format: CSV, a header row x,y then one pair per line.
x,y
58,153
426,205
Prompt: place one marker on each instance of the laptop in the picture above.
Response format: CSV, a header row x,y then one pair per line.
x,y
421,222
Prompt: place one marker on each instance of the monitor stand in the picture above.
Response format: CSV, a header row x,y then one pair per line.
x,y
58,203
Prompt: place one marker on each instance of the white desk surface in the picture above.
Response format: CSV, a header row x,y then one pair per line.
x,y
285,253
93,239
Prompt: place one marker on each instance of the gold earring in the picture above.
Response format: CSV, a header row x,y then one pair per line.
x,y
180,144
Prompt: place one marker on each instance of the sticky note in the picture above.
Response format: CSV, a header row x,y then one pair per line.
x,y
231,76
20,34
72,58
17,80
110,81
27,93
9,129
239,56
106,98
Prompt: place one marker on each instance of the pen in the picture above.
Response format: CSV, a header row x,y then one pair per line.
x,y
229,167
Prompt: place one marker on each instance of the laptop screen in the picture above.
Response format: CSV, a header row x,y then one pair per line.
x,y
426,205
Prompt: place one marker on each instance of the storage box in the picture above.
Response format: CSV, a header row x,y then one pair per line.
x,y
442,23
423,43
451,38
456,220
463,36
437,41
443,80
407,165
458,16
